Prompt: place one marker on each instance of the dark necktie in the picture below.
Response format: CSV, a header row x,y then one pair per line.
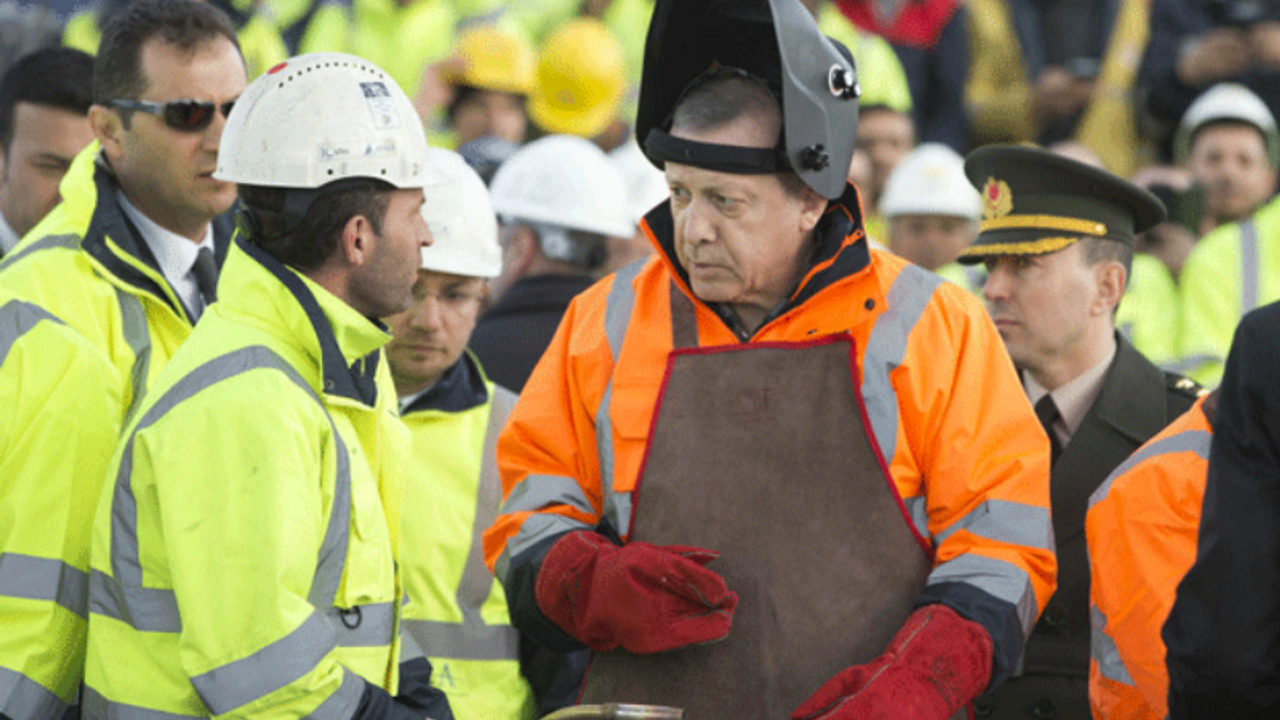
x,y
206,272
1048,414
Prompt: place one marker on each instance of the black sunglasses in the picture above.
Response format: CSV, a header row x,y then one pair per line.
x,y
181,115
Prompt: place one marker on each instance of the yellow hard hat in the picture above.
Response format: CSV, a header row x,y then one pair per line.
x,y
495,59
581,79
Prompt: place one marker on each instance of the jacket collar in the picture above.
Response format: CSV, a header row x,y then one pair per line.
x,y
841,249
1127,403
461,387
343,345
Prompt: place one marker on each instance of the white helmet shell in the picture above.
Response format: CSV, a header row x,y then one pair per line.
x,y
1224,102
323,117
646,185
930,181
461,220
563,181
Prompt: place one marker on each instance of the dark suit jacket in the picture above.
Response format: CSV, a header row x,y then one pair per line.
x,y
1137,400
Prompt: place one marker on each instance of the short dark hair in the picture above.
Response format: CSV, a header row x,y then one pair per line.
x,y
56,77
183,24
1097,249
313,240
725,96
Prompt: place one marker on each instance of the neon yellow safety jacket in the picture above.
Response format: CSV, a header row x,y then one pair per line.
x,y
1231,271
244,551
51,470
1149,312
457,612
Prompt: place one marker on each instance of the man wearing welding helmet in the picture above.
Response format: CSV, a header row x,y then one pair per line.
x,y
771,471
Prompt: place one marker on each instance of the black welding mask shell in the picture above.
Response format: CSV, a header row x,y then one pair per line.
x,y
776,41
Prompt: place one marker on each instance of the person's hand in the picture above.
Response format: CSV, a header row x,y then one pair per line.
x,y
641,597
936,664
1058,93
1264,40
1216,55
436,89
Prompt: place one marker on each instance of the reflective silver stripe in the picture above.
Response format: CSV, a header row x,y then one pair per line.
x,y
409,649
459,642
17,318
918,509
133,324
1104,650
1006,522
93,706
37,578
998,578
48,241
1187,364
1249,262
617,317
124,514
1196,441
907,299
22,698
275,666
538,492
341,705
376,627
142,608
536,528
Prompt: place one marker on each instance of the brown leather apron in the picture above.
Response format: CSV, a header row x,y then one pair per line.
x,y
762,452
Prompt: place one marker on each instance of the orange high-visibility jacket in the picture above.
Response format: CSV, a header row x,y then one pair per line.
x,y
1142,527
943,402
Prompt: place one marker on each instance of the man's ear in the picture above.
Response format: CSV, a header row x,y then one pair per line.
x,y
358,240
812,208
1111,282
108,128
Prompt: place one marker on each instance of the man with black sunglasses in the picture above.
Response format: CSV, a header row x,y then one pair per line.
x,y
126,262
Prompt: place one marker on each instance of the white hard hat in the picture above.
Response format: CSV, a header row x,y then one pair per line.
x,y
563,181
646,185
1227,102
319,118
463,227
930,181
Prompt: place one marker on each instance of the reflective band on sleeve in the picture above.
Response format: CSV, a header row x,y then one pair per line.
x,y
37,578
458,642
275,666
341,705
22,698
1003,580
93,706
142,608
918,509
907,299
1194,441
17,318
1249,266
1105,652
538,492
49,241
617,318
409,649
133,324
1006,522
536,528
376,627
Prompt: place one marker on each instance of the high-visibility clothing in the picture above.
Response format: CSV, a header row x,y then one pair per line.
x,y
84,265
1231,271
947,412
1149,312
51,470
1142,528
880,73
457,611
259,37
244,551
969,277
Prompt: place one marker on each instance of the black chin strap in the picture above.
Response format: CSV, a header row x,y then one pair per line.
x,y
661,146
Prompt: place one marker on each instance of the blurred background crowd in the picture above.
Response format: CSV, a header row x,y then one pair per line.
x,y
1179,96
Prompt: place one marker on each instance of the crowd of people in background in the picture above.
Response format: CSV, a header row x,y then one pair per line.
x,y
1158,122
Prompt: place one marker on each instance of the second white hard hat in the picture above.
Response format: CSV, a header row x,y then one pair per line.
x,y
461,220
930,181
320,118
1227,102
564,181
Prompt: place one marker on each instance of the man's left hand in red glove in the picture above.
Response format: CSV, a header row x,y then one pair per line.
x,y
936,664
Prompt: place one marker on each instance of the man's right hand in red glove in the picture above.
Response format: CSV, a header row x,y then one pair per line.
x,y
641,597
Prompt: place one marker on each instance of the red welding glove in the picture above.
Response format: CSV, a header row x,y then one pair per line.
x,y
641,597
936,663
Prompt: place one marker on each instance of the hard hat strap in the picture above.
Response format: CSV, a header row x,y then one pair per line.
x,y
660,146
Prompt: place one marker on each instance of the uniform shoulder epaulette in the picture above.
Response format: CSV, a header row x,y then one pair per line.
x,y
1184,386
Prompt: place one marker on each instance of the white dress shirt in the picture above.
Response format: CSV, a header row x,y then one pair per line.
x,y
1073,399
175,254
